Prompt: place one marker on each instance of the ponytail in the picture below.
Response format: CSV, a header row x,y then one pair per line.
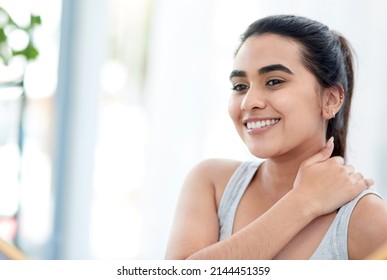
x,y
338,126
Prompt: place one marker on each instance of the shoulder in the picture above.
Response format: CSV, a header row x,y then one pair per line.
x,y
196,223
212,173
215,170
368,226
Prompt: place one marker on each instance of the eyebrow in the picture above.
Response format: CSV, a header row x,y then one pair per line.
x,y
263,70
237,73
274,67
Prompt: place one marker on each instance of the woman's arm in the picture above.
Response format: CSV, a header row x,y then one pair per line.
x,y
195,232
196,223
322,185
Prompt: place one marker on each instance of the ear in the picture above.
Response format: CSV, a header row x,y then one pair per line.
x,y
332,101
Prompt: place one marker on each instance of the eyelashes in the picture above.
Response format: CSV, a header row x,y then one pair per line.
x,y
271,84
239,87
274,82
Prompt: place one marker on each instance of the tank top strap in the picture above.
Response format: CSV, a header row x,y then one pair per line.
x,y
334,245
232,195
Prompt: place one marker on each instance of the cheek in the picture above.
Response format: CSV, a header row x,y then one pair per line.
x,y
302,103
301,112
303,117
234,109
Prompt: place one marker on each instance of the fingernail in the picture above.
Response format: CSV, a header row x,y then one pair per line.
x,y
330,141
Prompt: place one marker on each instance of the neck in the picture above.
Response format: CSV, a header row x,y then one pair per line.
x,y
278,173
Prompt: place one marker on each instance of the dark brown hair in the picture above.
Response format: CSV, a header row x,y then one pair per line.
x,y
326,53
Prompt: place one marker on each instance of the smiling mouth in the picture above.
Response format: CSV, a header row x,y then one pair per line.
x,y
260,124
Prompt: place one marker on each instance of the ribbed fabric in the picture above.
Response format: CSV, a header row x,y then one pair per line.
x,y
334,245
232,195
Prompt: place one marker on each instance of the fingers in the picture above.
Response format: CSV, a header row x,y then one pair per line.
x,y
355,177
338,160
326,152
322,155
363,184
349,169
369,182
360,182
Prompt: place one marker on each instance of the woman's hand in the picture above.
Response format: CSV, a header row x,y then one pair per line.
x,y
327,183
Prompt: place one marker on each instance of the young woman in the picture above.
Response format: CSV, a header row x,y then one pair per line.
x,y
292,86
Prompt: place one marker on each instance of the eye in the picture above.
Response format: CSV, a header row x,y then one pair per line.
x,y
274,82
240,87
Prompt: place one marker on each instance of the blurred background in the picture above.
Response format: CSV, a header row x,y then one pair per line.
x,y
106,105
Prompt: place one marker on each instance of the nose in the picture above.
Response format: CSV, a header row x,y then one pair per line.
x,y
253,99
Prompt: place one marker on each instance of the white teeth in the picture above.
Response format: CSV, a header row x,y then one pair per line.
x,y
259,124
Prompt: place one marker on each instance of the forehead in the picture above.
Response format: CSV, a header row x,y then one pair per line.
x,y
261,50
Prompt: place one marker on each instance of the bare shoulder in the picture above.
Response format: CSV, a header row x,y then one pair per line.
x,y
216,172
213,168
367,227
196,224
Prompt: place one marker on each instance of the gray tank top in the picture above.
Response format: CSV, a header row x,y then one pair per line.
x,y
333,246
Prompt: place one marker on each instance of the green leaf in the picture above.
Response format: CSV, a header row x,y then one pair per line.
x,y
3,36
30,52
35,20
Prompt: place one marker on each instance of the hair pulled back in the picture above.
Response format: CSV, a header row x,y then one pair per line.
x,y
326,54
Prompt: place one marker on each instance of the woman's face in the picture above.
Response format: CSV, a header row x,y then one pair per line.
x,y
275,104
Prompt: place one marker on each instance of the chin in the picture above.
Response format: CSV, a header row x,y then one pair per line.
x,y
262,153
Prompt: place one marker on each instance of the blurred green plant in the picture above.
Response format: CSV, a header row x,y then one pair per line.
x,y
16,40
7,26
